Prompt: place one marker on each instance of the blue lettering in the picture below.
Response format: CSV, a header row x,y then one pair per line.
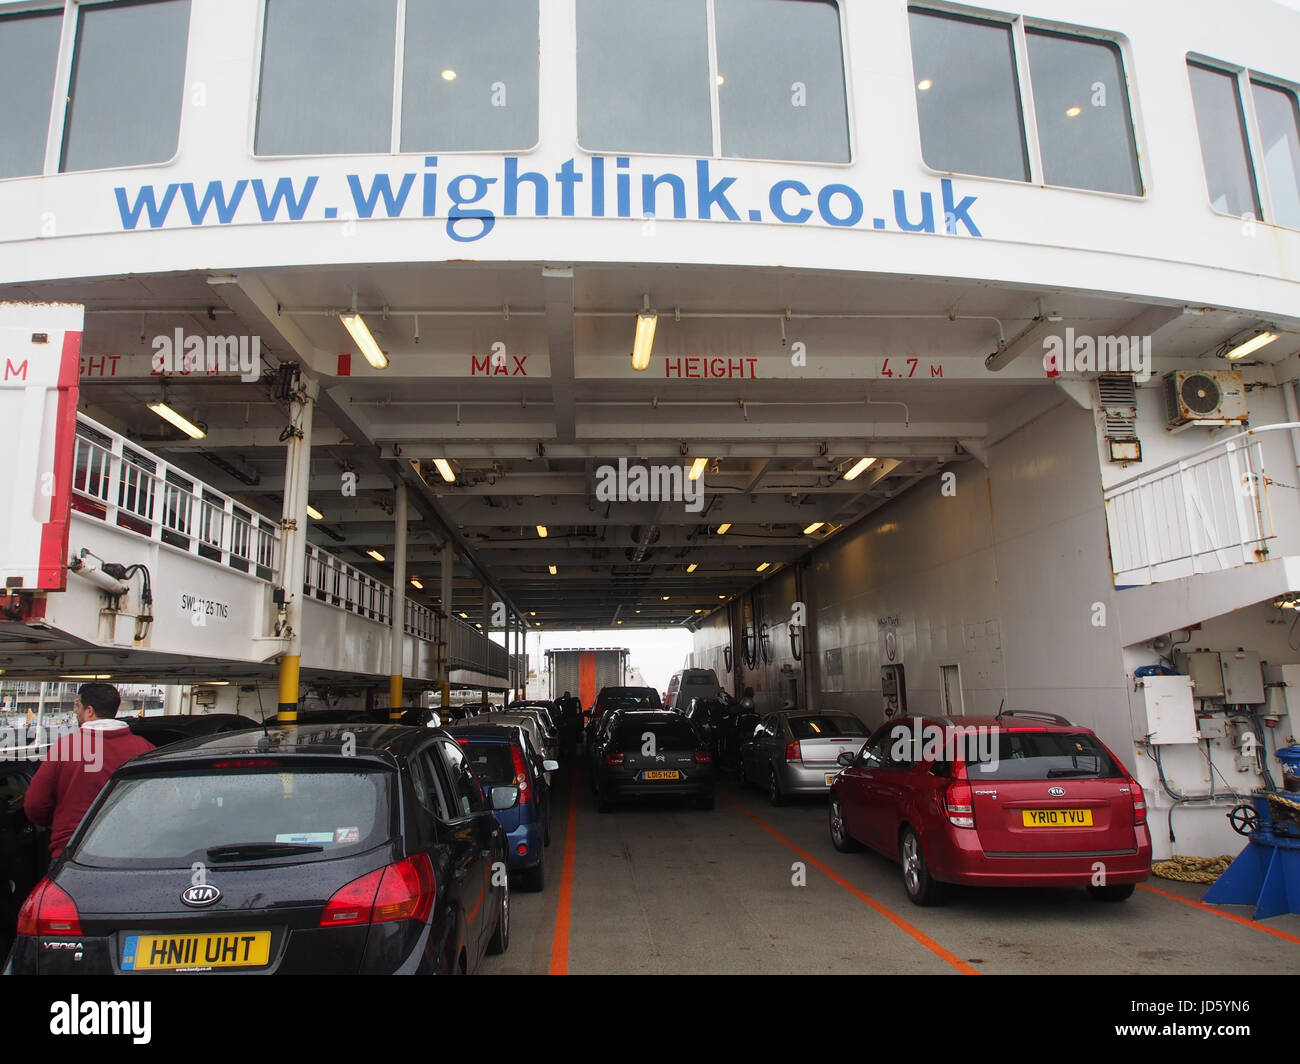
x,y
514,178
567,177
430,205
825,197
925,225
598,187
144,201
776,201
709,195
623,185
649,187
380,186
459,213
953,213
283,193
215,193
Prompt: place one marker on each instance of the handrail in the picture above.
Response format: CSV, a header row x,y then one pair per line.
x,y
1189,459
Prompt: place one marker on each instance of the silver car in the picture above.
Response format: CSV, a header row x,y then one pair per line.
x,y
542,738
797,752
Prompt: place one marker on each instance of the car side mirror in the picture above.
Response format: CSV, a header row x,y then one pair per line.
x,y
845,759
504,797
550,766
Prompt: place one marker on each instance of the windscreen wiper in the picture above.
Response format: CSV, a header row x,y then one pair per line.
x,y
1058,773
239,851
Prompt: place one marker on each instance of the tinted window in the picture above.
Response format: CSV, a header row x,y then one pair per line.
x,y
341,811
643,77
780,86
128,81
967,96
327,77
1085,133
667,734
1045,756
466,791
491,762
1223,142
1279,130
29,52
825,727
469,82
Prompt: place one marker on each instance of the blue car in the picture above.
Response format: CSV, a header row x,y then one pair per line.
x,y
503,755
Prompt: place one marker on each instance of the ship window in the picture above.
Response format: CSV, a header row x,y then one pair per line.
x,y
464,89
29,53
967,96
982,84
1279,129
772,88
128,81
330,67
1222,126
1081,112
327,77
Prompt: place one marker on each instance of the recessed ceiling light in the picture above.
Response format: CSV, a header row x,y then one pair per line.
x,y
1074,112
376,555
552,569
444,468
541,531
722,528
449,75
925,84
762,567
314,513
665,598
698,467
858,467
415,582
692,567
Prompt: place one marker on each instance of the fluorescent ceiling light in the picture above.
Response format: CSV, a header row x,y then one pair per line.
x,y
722,528
552,569
445,470
1010,350
646,321
213,683
762,567
699,611
858,467
692,567
541,531
354,324
1251,344
415,582
813,527
314,513
722,596
85,675
376,555
185,425
698,467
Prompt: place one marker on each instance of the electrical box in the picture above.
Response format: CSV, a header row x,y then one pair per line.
x,y
1213,727
1243,678
1205,667
1170,711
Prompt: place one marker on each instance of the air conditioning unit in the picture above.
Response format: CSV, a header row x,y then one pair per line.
x,y
1205,397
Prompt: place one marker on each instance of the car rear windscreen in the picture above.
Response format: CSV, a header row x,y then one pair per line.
x,y
1040,756
827,727
492,762
173,820
632,699
668,734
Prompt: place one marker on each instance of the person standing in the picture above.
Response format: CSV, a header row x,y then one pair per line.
x,y
77,766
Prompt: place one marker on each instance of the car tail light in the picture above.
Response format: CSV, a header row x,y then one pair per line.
x,y
402,891
49,911
1139,802
614,757
958,803
521,775
703,757
792,752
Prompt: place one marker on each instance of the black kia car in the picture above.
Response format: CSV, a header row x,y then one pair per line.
x,y
318,849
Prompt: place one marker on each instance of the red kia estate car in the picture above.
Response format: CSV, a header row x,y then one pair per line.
x,y
1017,800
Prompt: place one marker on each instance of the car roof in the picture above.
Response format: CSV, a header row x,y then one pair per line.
x,y
386,742
497,733
1024,720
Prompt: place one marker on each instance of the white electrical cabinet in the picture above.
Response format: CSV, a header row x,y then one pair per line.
x,y
1170,714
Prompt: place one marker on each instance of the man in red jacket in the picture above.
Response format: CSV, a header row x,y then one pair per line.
x,y
78,765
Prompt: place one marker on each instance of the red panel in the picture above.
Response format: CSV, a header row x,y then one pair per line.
x,y
345,364
51,575
587,678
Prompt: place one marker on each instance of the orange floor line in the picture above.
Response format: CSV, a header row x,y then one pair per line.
x,y
560,941
1219,912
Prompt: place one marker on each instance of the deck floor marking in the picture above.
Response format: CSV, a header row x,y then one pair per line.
x,y
919,936
560,941
1226,916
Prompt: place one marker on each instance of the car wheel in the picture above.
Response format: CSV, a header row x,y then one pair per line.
x,y
921,888
534,879
1113,892
840,838
774,794
501,939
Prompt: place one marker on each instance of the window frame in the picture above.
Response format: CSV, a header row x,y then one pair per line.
x,y
715,106
1020,25
56,129
1244,78
395,126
